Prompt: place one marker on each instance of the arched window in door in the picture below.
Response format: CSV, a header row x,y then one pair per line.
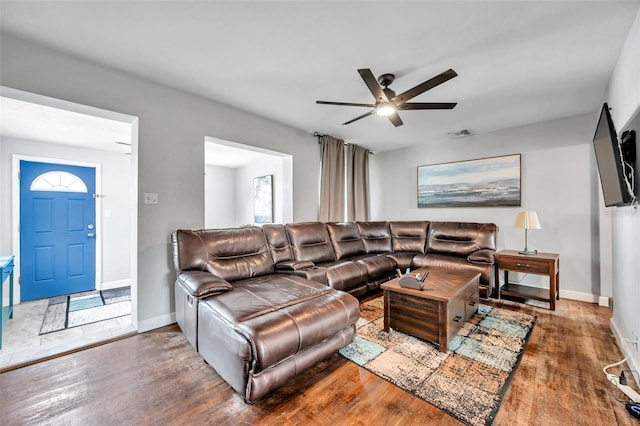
x,y
58,181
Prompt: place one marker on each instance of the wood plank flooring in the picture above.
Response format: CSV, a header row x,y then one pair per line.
x,y
156,378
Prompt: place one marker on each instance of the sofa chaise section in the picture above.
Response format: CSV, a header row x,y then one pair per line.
x,y
257,328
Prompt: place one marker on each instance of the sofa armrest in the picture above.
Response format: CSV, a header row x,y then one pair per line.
x,y
294,265
202,284
484,256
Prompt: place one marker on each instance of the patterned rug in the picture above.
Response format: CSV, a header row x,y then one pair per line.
x,y
85,308
469,382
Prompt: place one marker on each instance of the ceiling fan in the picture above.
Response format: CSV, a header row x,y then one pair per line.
x,y
388,103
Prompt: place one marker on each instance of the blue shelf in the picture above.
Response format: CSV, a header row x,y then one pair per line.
x,y
6,272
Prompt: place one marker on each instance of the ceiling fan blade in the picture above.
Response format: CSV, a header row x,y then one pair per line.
x,y
362,116
345,104
395,119
423,87
427,105
372,84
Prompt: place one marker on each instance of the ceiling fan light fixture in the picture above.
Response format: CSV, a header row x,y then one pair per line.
x,y
385,110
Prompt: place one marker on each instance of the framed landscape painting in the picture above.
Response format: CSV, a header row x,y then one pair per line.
x,y
263,199
485,182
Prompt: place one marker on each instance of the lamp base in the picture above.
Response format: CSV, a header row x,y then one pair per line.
x,y
528,252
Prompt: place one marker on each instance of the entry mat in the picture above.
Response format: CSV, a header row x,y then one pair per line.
x,y
469,381
85,308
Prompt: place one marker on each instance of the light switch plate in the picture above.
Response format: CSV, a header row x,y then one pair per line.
x,y
151,198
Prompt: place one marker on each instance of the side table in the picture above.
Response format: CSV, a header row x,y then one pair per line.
x,y
547,264
6,271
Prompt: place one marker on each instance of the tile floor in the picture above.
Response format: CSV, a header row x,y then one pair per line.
x,y
21,341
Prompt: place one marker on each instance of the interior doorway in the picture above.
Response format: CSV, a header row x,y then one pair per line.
x,y
230,170
41,129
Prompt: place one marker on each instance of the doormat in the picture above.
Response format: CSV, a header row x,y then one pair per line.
x,y
468,382
85,308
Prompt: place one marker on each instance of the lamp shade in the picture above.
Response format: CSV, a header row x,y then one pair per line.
x,y
527,220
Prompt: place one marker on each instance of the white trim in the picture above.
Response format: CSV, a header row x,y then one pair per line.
x,y
156,322
134,222
115,284
15,183
625,349
580,296
604,301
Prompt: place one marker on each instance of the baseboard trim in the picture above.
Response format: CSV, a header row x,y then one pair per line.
x,y
156,322
579,296
115,284
626,351
604,301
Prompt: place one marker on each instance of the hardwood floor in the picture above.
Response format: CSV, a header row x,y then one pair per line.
x,y
157,378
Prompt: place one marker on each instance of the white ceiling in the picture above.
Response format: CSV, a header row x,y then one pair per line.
x,y
27,120
220,153
518,62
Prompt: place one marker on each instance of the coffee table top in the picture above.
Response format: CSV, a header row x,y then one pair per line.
x,y
441,284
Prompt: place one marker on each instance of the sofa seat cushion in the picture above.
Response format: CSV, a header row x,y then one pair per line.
x,y
345,275
378,267
453,262
283,316
258,296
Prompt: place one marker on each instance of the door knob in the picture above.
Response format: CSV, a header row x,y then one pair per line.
x,y
90,235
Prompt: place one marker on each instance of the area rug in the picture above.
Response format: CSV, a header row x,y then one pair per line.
x,y
468,382
85,308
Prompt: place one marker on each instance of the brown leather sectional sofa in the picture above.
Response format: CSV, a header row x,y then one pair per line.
x,y
264,304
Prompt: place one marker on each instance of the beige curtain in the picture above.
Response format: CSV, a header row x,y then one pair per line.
x,y
357,183
332,180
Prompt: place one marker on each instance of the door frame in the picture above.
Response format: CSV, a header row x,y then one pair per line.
x,y
15,183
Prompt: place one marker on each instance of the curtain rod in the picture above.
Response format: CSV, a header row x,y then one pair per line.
x,y
319,135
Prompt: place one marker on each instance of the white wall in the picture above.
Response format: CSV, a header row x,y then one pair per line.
x,y
219,197
244,189
623,96
116,229
557,182
169,152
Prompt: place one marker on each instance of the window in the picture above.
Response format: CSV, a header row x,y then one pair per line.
x,y
58,181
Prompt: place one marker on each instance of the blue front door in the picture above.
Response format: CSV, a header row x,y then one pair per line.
x,y
57,229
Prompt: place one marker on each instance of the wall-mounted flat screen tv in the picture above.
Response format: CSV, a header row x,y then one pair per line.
x,y
610,162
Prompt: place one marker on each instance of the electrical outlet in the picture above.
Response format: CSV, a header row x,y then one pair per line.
x,y
151,198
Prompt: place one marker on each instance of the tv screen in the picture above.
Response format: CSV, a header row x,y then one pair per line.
x,y
605,143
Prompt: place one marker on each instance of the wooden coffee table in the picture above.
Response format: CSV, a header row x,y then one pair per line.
x,y
435,313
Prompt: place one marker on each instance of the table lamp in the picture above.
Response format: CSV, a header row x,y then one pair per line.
x,y
526,221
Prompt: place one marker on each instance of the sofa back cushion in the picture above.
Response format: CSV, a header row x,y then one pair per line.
x,y
375,236
231,254
409,236
310,241
345,239
278,243
461,238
